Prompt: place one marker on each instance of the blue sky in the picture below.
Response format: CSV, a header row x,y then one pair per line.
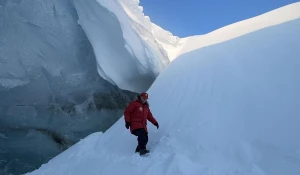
x,y
192,17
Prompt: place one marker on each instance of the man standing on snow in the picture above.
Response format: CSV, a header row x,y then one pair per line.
x,y
136,115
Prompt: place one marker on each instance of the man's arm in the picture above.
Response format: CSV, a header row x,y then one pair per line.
x,y
127,113
152,119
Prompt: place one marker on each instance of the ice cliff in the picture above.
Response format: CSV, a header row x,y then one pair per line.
x,y
67,69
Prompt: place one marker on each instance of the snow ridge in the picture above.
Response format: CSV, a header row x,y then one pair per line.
x,y
175,46
274,17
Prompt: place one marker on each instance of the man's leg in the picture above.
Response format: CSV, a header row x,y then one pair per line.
x,y
143,142
142,139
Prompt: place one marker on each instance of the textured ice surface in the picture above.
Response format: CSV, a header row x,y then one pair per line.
x,y
51,94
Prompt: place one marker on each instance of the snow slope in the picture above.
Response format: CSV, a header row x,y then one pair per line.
x,y
230,108
277,16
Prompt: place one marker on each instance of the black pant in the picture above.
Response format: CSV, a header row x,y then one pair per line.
x,y
142,139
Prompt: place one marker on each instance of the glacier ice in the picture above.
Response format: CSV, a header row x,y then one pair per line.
x,y
67,68
128,54
51,93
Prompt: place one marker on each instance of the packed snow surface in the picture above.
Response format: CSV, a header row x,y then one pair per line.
x,y
230,108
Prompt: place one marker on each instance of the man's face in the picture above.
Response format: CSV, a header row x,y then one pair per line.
x,y
143,100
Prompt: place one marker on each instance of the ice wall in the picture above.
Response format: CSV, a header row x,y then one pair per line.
x,y
51,94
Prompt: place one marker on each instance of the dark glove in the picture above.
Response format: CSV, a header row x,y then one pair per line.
x,y
127,125
156,124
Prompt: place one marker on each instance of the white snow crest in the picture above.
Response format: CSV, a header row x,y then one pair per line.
x,y
127,53
274,17
137,31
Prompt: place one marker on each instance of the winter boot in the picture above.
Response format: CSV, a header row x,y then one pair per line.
x,y
144,151
137,150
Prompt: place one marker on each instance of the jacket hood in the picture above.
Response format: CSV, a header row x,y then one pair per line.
x,y
138,99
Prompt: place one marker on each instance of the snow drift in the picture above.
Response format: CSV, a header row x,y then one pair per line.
x,y
127,52
230,108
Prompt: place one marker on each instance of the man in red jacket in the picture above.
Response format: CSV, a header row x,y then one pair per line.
x,y
136,115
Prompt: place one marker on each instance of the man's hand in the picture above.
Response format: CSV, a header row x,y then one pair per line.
x,y
156,124
127,125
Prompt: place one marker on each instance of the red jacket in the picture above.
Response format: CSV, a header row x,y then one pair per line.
x,y
137,115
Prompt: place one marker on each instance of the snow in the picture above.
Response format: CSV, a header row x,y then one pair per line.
x,y
165,39
229,108
274,17
175,46
130,50
127,53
